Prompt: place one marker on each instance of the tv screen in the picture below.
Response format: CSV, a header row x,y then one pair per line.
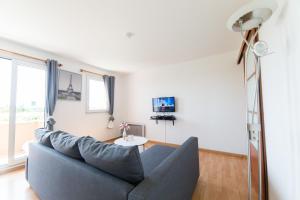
x,y
163,104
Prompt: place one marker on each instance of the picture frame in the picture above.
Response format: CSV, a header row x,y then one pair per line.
x,y
69,86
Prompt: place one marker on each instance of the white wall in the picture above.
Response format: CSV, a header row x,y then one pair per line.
x,y
281,96
70,115
210,102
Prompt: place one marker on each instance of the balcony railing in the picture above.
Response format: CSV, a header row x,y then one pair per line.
x,y
24,131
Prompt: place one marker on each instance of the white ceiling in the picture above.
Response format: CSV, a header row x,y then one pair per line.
x,y
94,31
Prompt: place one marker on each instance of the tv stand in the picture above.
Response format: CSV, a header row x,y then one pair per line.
x,y
163,117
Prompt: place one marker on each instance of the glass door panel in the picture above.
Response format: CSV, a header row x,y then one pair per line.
x,y
30,105
5,87
22,102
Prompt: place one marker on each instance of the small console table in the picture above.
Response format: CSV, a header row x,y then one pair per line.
x,y
135,141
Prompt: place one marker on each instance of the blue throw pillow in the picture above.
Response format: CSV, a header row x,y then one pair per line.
x,y
65,143
122,162
43,137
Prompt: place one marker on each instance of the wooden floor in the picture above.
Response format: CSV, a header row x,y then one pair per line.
x,y
222,177
13,186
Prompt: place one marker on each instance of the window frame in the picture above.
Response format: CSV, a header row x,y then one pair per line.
x,y
97,78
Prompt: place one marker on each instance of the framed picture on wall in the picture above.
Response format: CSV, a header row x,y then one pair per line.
x,y
69,86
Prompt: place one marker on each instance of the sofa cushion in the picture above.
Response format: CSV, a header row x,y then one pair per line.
x,y
122,162
153,156
43,137
65,143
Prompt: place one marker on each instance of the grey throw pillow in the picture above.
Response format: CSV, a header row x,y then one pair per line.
x,y
65,143
122,162
43,137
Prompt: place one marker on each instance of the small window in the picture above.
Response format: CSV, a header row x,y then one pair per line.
x,y
96,95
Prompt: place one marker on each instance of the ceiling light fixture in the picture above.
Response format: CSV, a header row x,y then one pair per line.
x,y
250,16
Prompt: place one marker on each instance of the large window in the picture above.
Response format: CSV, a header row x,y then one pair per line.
x,y
96,95
22,103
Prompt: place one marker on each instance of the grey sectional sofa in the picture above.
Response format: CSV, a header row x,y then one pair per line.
x,y
170,174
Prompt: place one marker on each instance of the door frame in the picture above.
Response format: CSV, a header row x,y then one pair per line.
x,y
12,160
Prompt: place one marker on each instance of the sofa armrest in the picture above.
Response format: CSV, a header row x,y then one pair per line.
x,y
173,179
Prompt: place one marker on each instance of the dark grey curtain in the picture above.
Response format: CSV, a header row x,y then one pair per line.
x,y
51,93
109,82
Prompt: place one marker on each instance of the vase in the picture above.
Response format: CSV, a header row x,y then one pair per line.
x,y
124,134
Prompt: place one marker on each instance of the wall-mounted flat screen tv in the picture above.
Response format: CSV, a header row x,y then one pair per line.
x,y
163,104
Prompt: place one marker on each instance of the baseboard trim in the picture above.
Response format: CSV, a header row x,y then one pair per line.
x,y
223,153
112,139
163,143
12,168
204,150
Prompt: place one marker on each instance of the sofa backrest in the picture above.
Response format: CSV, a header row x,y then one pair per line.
x,y
53,175
173,179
